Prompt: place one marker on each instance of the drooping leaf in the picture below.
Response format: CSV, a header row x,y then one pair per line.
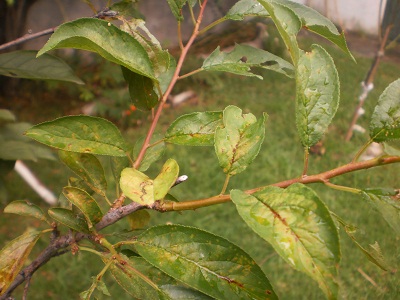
x,y
242,58
166,179
317,94
132,280
138,219
87,167
374,253
237,144
153,153
126,9
299,227
83,134
385,121
195,129
141,90
85,203
205,262
177,5
24,64
390,149
25,208
246,8
13,257
137,186
69,219
105,39
317,23
288,24
388,207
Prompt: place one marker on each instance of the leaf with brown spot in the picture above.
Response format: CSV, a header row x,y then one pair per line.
x,y
13,257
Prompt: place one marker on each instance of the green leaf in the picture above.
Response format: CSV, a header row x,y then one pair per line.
x,y
299,227
87,167
195,129
178,292
138,219
85,203
242,58
388,207
288,24
317,94
385,121
137,186
238,143
14,150
246,8
153,153
13,257
177,5
132,280
105,39
24,64
317,23
83,134
117,165
166,179
25,208
69,219
155,275
390,149
141,90
205,262
96,284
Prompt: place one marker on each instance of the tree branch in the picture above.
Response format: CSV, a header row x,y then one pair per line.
x,y
27,37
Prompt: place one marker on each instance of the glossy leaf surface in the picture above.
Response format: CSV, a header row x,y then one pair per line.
x,y
13,257
195,129
87,167
385,121
179,292
83,134
317,23
299,227
25,208
288,24
69,219
317,94
166,179
85,203
105,39
205,262
24,64
246,8
237,144
242,58
137,186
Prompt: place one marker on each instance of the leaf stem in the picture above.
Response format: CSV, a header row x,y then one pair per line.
x,y
342,188
306,157
361,151
90,250
175,77
180,35
213,24
225,184
190,73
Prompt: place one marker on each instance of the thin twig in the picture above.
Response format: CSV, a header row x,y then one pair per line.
x,y
26,288
27,37
170,87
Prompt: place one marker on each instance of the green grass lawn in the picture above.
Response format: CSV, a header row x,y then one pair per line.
x,y
281,158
